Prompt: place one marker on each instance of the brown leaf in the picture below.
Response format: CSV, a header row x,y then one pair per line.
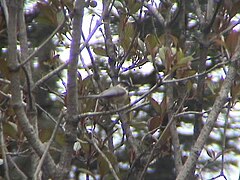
x,y
155,105
154,123
4,68
235,9
231,41
228,4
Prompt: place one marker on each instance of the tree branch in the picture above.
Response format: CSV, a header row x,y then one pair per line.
x,y
17,101
173,130
34,53
3,149
80,116
106,159
155,13
213,115
199,12
63,66
47,147
162,139
72,89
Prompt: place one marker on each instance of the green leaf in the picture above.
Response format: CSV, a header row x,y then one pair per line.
x,y
103,164
47,14
60,17
185,60
133,6
46,133
129,30
100,51
151,44
10,129
162,53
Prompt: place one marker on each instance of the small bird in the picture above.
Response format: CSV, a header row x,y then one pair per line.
x,y
116,94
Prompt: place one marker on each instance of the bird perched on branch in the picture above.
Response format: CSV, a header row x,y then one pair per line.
x,y
116,94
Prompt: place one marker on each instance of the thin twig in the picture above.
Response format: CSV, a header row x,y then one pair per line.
x,y
106,159
97,25
19,171
210,15
5,81
3,148
18,153
138,106
199,12
48,114
80,116
155,12
191,112
229,28
164,81
212,117
173,128
224,137
109,45
34,53
8,96
162,138
47,147
63,66
50,75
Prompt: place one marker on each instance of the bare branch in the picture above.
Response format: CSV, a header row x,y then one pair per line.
x,y
162,139
63,66
72,89
213,115
190,112
154,11
199,12
106,159
17,104
5,81
229,28
50,75
210,10
47,147
173,130
80,116
3,149
34,53
165,79
110,46
10,160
